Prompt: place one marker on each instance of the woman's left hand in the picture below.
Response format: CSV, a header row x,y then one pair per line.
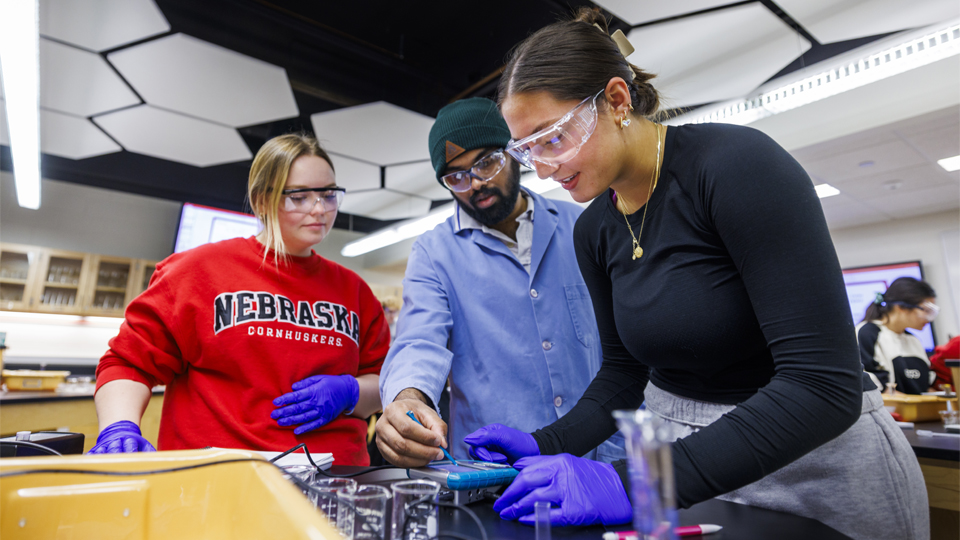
x,y
586,491
316,401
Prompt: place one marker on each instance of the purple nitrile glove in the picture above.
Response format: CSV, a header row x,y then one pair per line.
x,y
121,437
315,401
587,492
500,444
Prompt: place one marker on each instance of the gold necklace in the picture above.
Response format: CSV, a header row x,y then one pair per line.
x,y
637,250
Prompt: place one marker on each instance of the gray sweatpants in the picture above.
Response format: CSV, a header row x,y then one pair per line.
x,y
866,483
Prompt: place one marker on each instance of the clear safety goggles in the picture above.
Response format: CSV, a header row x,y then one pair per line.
x,y
302,201
483,169
560,142
930,310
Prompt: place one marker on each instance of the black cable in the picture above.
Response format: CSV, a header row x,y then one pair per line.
x,y
35,446
294,449
324,473
469,512
124,473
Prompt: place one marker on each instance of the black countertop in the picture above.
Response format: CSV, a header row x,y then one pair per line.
x,y
947,448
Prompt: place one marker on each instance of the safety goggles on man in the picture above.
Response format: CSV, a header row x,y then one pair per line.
x,y
560,142
483,169
302,201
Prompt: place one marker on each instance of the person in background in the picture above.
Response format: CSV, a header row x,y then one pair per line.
x,y
890,353
942,353
262,344
492,300
720,304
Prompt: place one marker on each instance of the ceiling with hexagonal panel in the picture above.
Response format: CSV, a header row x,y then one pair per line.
x,y
172,98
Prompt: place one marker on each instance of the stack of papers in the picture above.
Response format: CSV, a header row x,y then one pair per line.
x,y
323,460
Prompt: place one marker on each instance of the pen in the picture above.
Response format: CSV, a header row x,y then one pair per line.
x,y
688,530
925,433
445,453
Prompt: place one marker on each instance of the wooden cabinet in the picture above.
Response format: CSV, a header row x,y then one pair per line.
x,y
58,281
62,282
111,287
19,266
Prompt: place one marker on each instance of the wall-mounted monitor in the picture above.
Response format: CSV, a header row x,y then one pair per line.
x,y
202,225
864,282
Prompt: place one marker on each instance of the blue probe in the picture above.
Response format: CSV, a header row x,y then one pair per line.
x,y
445,453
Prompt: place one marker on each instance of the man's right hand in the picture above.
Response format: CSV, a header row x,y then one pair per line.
x,y
402,441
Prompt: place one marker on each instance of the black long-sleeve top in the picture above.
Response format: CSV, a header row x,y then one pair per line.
x,y
737,299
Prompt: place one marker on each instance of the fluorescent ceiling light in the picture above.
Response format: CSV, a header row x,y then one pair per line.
x,y
20,72
826,190
860,67
417,226
950,164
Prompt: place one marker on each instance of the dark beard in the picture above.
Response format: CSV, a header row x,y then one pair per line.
x,y
502,209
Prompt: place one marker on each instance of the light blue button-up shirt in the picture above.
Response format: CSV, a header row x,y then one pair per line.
x,y
519,348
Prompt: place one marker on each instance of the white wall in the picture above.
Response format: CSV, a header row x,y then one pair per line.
x,y
90,220
911,239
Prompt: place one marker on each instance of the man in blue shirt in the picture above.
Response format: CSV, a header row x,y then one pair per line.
x,y
493,300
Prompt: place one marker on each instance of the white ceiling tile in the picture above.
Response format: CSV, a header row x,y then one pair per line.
x,y
79,82
844,211
172,136
188,75
715,56
839,20
881,158
71,137
355,175
384,204
901,180
99,25
938,143
378,132
417,179
637,12
920,201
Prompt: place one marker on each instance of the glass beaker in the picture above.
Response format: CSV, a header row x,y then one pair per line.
x,y
305,473
362,514
329,491
650,463
415,513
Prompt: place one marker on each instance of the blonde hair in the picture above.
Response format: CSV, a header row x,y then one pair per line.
x,y
268,176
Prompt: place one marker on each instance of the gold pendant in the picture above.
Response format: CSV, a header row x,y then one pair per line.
x,y
637,251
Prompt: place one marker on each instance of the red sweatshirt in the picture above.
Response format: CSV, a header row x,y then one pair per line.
x,y
227,333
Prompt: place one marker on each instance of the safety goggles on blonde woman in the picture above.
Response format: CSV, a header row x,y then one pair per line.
x,y
560,142
302,201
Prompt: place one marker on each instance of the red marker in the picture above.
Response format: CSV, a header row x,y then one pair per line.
x,y
694,530
688,530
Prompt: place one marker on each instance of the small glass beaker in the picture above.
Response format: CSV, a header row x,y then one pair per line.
x,y
950,417
362,514
415,513
650,464
329,489
305,473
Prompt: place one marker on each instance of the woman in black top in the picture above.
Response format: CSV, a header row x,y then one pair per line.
x,y
719,300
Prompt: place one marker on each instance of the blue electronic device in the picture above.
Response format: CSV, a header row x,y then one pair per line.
x,y
466,474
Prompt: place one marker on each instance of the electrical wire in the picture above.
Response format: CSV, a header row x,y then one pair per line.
x,y
35,446
324,473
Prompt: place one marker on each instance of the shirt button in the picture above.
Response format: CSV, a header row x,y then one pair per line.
x,y
534,293
547,345
558,401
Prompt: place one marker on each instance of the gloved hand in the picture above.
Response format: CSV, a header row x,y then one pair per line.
x,y
121,437
316,401
500,444
587,492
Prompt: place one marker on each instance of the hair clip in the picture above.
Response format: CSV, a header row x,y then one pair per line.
x,y
879,300
623,44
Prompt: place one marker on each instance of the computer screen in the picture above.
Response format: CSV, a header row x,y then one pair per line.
x,y
863,283
202,224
